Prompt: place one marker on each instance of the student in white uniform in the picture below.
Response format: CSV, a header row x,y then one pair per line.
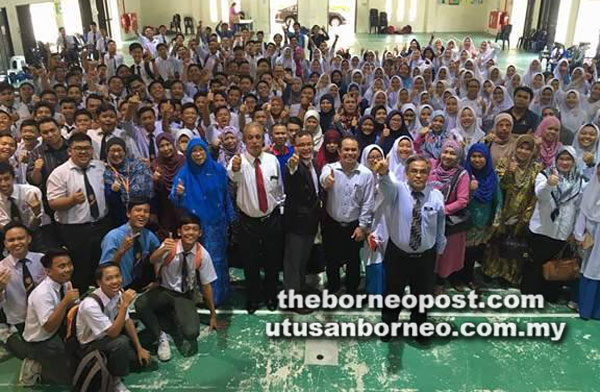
x,y
20,272
47,309
108,328
178,282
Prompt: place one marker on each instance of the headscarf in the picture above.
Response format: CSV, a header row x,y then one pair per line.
x,y
363,139
569,185
580,150
388,142
548,151
431,143
486,177
536,105
366,151
414,126
397,165
470,135
590,201
324,156
225,154
326,119
501,150
522,173
183,132
571,118
206,192
132,172
167,167
441,177
318,133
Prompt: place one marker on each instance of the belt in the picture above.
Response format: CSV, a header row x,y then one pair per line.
x,y
261,218
415,255
94,223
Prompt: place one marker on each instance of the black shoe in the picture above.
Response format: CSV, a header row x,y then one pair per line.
x,y
251,307
302,310
272,304
386,338
423,341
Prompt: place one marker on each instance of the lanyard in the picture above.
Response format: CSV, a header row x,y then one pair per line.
x,y
125,182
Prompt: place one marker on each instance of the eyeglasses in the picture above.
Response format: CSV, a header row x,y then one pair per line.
x,y
82,148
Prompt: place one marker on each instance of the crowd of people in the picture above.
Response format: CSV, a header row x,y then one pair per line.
x,y
150,180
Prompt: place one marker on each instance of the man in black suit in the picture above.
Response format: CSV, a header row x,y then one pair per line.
x,y
301,212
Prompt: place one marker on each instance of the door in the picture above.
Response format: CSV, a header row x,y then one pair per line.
x,y
6,48
26,28
86,14
103,18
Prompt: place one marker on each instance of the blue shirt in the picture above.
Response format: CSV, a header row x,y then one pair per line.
x,y
113,240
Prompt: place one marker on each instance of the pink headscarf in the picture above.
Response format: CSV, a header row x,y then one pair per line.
x,y
548,150
299,56
440,177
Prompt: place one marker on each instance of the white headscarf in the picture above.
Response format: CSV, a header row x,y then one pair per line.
x,y
318,133
571,118
528,77
397,165
590,200
366,151
470,135
594,150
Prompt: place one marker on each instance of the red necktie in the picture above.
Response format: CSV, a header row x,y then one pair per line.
x,y
260,186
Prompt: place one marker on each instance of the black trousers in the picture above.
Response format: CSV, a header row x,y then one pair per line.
x,y
50,353
261,237
161,302
83,241
55,361
341,249
414,270
298,249
465,275
542,250
119,352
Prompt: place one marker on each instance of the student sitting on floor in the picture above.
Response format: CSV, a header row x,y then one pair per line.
x,y
178,282
47,308
108,328
20,272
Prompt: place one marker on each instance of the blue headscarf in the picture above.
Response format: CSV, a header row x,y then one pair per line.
x,y
486,177
206,194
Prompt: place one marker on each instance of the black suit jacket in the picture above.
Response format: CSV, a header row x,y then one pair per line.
x,y
302,204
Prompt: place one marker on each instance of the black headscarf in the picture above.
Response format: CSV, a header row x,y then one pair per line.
x,y
326,119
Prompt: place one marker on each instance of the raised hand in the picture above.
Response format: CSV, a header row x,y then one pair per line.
x,y
553,179
329,180
293,161
236,163
180,188
381,167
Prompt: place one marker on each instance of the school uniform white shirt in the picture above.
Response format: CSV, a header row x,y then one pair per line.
x,y
68,179
161,39
398,196
352,196
96,136
541,222
102,44
21,194
140,70
92,38
171,274
112,63
148,45
245,180
14,296
40,306
166,67
92,322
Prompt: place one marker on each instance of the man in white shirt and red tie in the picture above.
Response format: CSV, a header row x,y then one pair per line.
x,y
416,223
257,176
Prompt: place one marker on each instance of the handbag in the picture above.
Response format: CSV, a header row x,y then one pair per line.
x,y
460,221
561,268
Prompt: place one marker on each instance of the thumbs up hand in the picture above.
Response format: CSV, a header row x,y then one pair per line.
x,y
293,161
553,179
180,188
236,164
474,184
35,204
329,180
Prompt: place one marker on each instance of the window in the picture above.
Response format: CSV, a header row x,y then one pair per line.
x,y
43,19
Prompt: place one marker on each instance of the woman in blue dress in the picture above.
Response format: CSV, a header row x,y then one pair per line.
x,y
200,188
